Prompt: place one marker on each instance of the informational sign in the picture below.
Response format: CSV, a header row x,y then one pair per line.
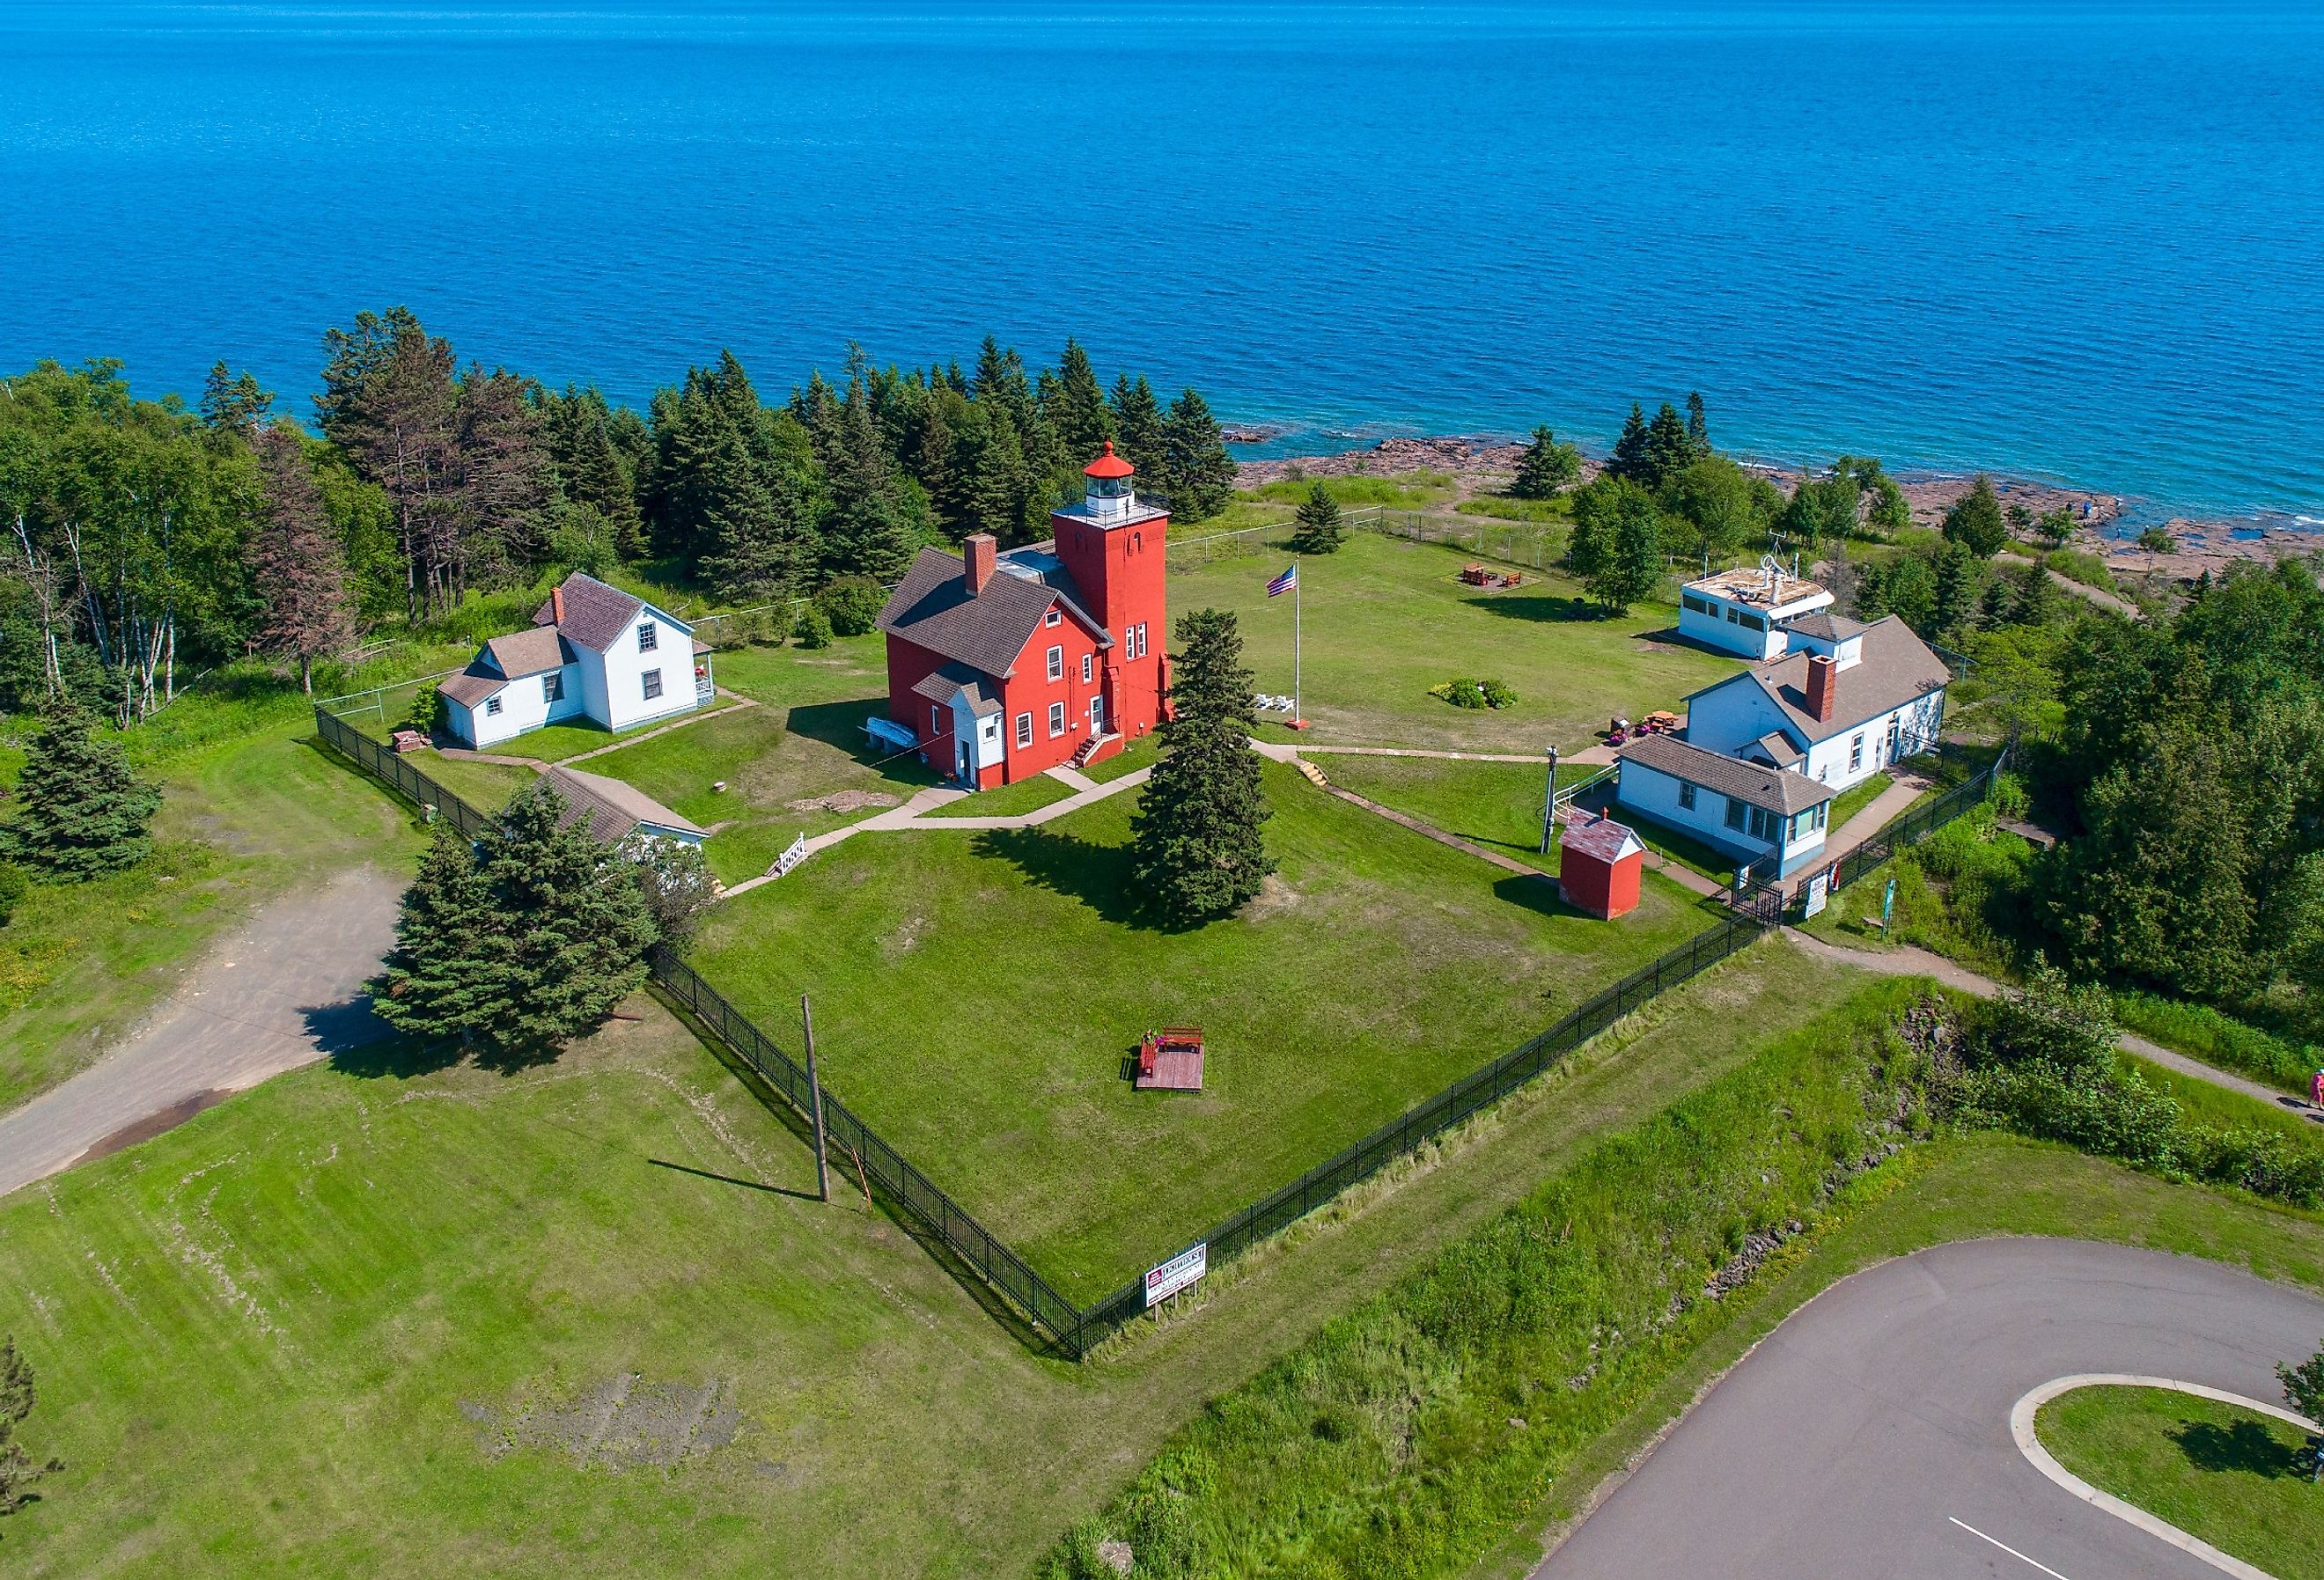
x,y
1176,1274
1887,903
791,858
1819,890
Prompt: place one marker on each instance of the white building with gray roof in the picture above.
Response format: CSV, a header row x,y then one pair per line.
x,y
594,652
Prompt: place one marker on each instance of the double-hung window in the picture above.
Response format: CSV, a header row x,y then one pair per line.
x,y
649,638
651,681
552,685
1735,812
1087,660
1024,729
1856,755
1686,795
1056,718
1056,663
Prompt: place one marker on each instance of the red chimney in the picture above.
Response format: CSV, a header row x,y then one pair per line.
x,y
1823,686
557,606
979,550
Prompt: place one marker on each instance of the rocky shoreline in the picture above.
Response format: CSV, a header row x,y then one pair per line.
x,y
2199,544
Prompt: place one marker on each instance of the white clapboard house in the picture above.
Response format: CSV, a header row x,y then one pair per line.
x,y
594,652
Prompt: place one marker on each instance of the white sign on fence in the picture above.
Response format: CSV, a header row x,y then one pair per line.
x,y
1819,890
1178,1273
791,858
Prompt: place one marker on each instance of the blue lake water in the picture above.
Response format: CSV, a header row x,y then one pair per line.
x,y
2084,242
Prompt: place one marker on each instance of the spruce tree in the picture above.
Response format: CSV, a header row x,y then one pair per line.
x,y
993,498
1202,473
1138,432
234,404
437,983
1078,409
1319,530
82,810
1548,468
1630,458
1698,426
1669,450
1976,521
296,562
1197,850
864,530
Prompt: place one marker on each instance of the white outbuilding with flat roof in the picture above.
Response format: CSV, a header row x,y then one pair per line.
x,y
1745,611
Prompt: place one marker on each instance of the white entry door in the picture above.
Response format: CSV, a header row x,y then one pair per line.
x,y
1097,714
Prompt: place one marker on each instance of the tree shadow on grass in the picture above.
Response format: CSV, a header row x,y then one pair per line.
x,y
1098,875
1541,608
2247,1447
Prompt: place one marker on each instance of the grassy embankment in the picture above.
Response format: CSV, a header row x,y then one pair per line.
x,y
1386,619
977,995
2224,1474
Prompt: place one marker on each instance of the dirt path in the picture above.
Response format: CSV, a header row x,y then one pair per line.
x,y
1907,961
280,993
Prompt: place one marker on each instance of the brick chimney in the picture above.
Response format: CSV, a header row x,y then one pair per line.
x,y
979,550
557,606
1823,686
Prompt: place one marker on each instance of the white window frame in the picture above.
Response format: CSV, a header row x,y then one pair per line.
x,y
1052,619
650,685
1056,663
1057,719
1856,755
1024,730
649,638
1087,660
552,687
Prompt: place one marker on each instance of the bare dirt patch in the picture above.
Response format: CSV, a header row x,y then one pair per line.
x,y
1274,898
623,1422
846,800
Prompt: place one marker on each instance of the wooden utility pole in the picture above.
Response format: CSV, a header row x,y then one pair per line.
x,y
1549,808
815,1102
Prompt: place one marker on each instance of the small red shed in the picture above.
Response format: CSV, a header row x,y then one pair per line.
x,y
1598,865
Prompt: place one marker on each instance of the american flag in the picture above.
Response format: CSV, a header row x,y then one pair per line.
x,y
1284,583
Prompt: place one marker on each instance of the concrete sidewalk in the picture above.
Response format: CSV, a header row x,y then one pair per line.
x,y
283,991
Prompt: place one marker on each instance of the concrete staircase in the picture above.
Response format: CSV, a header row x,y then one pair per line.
x,y
1088,749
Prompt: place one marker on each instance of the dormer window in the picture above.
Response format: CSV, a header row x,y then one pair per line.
x,y
647,638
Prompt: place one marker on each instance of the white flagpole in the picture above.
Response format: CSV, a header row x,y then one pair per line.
x,y
1298,585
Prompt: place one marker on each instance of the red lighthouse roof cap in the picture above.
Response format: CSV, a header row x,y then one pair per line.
x,y
1108,465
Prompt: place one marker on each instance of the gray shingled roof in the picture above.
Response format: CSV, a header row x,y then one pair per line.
x,y
1896,668
595,614
1826,626
612,808
470,685
931,608
528,652
951,680
1776,790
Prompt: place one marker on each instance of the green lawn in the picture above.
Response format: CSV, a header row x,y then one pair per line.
x,y
1141,752
251,806
287,1337
976,996
1029,794
1496,805
486,786
1392,618
2215,1471
1857,797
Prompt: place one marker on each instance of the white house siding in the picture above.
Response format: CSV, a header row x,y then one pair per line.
x,y
524,706
1727,718
982,737
623,684
1731,717
1654,795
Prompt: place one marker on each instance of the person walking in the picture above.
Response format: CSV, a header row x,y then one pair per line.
x,y
2316,1090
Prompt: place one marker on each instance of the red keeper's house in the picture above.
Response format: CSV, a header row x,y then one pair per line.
x,y
1003,665
1597,866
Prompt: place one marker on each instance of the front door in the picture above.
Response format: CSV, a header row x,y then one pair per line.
x,y
1097,714
962,770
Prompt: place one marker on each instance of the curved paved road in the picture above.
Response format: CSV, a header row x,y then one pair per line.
x,y
1869,1436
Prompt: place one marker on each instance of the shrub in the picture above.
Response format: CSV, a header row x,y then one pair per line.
x,y
12,884
2219,1038
852,603
427,711
813,627
1466,693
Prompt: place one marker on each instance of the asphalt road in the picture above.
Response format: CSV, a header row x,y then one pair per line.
x,y
1869,1436
281,992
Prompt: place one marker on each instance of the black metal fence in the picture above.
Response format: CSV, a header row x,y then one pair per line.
x,y
1915,823
1075,1329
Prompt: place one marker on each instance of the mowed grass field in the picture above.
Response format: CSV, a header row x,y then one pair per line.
x,y
374,1321
1385,619
977,995
2225,1475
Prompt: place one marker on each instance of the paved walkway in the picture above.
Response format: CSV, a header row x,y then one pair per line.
x,y
1869,1435
283,992
1907,961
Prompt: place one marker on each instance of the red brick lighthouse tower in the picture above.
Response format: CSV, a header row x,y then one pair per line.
x,y
1111,546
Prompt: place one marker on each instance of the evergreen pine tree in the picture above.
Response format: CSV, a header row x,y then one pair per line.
x,y
1319,530
1548,468
1976,521
1138,432
578,429
1959,581
750,551
935,464
864,532
435,984
234,404
83,810
1077,409
1698,426
995,494
1202,473
1630,458
1669,450
296,562
1197,850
